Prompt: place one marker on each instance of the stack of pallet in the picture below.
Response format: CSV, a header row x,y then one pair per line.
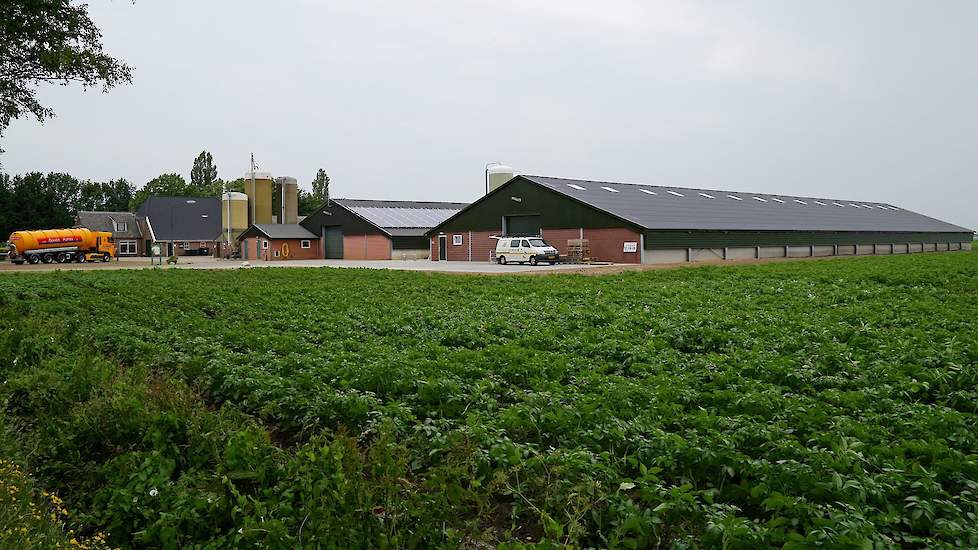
x,y
578,251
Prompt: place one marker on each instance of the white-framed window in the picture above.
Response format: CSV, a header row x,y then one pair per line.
x,y
121,227
456,240
264,245
185,245
305,243
276,253
127,247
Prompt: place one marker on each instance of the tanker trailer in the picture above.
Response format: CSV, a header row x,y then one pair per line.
x,y
60,245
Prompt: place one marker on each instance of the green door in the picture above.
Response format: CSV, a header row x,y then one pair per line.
x,y
333,243
523,226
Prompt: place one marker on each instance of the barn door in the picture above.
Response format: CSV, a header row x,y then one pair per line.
x,y
333,243
523,226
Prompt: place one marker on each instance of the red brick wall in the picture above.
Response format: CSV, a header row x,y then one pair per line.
x,y
296,252
480,246
558,238
607,244
366,247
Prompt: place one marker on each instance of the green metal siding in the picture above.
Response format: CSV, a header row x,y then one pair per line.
x,y
556,211
719,239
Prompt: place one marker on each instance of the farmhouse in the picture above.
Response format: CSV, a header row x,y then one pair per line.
x,y
354,229
182,226
634,223
123,226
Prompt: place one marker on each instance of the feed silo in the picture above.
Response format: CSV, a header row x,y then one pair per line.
x,y
258,188
234,218
496,175
287,199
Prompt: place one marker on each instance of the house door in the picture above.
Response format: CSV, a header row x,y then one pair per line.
x,y
148,248
442,247
169,249
333,243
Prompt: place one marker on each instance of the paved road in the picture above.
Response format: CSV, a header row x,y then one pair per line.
x,y
214,263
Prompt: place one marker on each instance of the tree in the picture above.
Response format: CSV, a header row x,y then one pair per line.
x,y
320,186
169,185
49,41
109,196
308,203
203,176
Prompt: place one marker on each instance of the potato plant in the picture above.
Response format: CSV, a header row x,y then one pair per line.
x,y
791,405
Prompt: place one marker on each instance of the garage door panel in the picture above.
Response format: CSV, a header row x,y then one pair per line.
x,y
523,225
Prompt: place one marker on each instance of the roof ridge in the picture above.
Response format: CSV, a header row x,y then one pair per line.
x,y
707,190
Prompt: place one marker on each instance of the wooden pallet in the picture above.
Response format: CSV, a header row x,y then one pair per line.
x,y
578,251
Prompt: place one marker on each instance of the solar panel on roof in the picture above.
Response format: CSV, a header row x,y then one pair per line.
x,y
403,217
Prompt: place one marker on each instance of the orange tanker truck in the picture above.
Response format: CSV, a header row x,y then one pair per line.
x,y
60,245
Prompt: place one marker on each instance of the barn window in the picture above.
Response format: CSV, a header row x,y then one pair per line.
x,y
264,245
456,240
276,253
304,243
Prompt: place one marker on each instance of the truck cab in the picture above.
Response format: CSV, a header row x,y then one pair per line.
x,y
525,249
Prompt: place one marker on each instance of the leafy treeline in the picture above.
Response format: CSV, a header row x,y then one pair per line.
x,y
38,201
814,404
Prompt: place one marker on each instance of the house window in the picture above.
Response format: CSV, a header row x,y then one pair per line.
x,y
264,245
127,247
185,245
305,243
276,253
121,227
457,240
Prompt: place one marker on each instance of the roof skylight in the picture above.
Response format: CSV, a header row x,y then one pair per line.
x,y
575,186
735,197
799,201
609,189
881,206
646,191
854,205
759,199
821,203
676,193
839,204
775,199
707,195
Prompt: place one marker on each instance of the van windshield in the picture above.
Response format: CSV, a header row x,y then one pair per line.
x,y
538,242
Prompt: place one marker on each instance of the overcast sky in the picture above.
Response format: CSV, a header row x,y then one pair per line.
x,y
409,100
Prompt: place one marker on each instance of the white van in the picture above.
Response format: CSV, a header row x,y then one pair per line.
x,y
525,249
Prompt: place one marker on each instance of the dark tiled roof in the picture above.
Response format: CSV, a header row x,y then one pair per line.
x,y
394,215
279,231
663,207
183,218
103,221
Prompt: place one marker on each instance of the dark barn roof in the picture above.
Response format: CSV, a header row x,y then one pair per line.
x,y
659,207
402,218
182,218
278,231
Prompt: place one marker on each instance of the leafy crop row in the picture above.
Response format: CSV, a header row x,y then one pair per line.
x,y
792,405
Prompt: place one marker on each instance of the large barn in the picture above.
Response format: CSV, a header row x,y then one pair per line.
x,y
635,223
354,229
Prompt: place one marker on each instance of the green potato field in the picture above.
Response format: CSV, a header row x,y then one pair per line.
x,y
789,405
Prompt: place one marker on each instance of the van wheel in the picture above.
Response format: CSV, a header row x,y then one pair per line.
x,y
501,260
533,260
